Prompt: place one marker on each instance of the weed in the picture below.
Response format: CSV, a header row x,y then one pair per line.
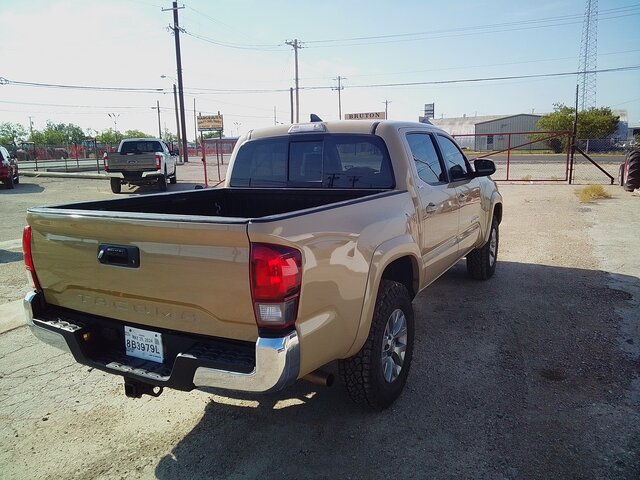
x,y
592,192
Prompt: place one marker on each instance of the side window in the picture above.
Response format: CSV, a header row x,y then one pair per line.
x,y
426,157
453,159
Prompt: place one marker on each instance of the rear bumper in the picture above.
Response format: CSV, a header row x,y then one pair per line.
x,y
203,362
136,175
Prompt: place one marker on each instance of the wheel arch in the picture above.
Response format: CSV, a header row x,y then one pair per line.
x,y
397,259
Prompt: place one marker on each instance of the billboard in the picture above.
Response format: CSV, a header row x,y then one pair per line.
x,y
208,123
365,116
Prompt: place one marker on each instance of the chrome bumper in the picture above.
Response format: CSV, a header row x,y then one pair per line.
x,y
277,360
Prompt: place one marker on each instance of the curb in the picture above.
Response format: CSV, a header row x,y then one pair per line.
x,y
94,176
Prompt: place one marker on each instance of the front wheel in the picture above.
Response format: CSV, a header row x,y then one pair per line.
x,y
481,262
9,183
376,375
174,178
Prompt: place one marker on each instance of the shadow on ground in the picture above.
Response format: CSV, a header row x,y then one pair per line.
x,y
21,189
522,376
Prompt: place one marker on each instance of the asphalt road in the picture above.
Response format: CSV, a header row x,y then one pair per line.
x,y
531,375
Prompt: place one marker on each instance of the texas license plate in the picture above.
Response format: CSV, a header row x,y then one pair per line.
x,y
143,344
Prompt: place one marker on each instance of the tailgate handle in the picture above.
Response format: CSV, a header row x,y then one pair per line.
x,y
119,255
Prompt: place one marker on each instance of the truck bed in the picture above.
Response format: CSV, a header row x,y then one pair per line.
x,y
236,204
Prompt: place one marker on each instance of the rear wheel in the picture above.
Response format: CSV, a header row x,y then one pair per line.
x,y
481,262
116,185
376,375
633,173
162,182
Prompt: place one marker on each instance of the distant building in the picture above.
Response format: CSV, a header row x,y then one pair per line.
x,y
490,130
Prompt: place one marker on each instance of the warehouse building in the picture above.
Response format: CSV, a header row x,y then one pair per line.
x,y
488,133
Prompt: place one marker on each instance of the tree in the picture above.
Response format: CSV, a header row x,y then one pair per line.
x,y
592,123
109,137
58,134
11,134
136,134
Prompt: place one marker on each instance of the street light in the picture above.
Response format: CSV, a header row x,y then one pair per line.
x,y
237,125
114,116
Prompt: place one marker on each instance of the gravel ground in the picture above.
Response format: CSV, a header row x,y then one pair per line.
x,y
533,374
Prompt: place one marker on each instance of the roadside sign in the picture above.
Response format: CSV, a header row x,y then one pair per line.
x,y
365,116
207,123
429,110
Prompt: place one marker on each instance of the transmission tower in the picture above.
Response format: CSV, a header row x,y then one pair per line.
x,y
587,64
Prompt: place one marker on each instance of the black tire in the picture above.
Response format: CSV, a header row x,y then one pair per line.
x,y
481,262
9,182
162,183
17,179
633,174
174,178
116,185
371,376
621,175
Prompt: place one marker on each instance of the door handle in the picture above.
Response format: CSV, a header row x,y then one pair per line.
x,y
431,208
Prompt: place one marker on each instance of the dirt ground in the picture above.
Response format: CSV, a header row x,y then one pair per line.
x,y
534,374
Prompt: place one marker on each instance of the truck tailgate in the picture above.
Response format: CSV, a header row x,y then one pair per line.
x,y
133,162
191,276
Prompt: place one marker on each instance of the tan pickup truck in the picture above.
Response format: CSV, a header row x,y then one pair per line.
x,y
310,254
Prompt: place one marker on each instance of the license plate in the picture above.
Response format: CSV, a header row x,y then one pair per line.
x,y
143,344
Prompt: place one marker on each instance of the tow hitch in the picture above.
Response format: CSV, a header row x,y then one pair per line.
x,y
135,389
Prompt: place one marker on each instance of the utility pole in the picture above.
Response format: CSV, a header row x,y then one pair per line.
x,y
291,102
275,117
175,104
386,109
30,127
195,125
296,46
338,88
176,34
157,107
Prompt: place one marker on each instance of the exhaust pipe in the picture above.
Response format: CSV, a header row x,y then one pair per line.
x,y
319,377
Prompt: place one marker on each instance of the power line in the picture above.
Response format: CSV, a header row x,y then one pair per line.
x,y
5,81
234,45
473,29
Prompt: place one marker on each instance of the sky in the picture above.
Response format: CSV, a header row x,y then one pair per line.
x,y
235,60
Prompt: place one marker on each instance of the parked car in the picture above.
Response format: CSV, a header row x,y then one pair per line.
x,y
8,169
311,253
141,161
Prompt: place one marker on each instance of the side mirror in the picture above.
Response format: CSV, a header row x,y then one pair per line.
x,y
175,152
484,167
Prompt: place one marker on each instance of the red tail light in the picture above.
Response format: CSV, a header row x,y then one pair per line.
x,y
276,276
28,257
158,161
105,160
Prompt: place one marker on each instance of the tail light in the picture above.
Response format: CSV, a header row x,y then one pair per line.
x,y
28,257
158,161
276,276
105,160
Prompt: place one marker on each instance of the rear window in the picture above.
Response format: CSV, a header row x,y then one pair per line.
x,y
314,161
145,146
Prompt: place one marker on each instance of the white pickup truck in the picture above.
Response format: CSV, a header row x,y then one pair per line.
x,y
141,161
